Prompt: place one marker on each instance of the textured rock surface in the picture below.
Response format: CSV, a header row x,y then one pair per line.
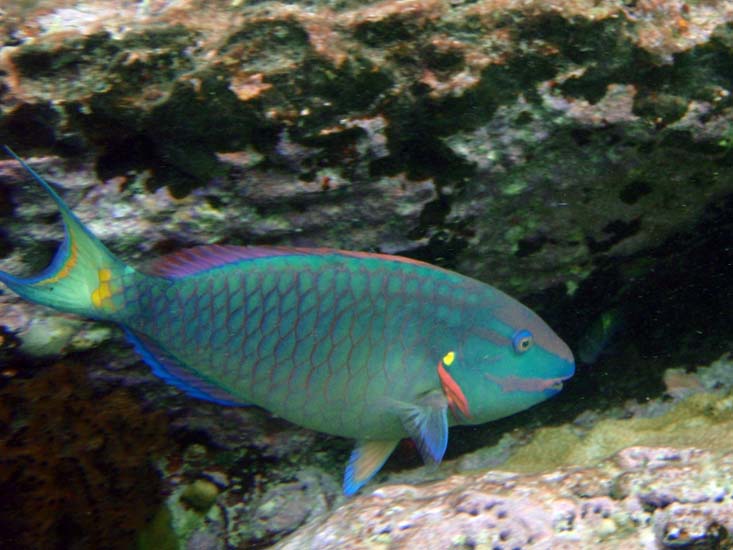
x,y
552,133
69,457
645,498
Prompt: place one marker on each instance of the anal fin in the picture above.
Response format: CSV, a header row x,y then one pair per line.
x,y
365,461
172,371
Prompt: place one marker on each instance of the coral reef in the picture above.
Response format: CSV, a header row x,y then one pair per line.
x,y
76,468
701,421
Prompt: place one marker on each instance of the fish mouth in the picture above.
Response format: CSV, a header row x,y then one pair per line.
x,y
553,385
515,383
556,384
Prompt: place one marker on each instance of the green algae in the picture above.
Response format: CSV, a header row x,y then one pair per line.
x,y
185,518
200,495
703,421
159,533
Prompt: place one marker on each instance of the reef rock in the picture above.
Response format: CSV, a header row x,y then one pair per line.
x,y
519,141
645,498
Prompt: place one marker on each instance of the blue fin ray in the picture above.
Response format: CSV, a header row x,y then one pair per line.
x,y
173,372
366,460
427,424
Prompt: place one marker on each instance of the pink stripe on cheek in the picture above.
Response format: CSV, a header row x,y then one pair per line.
x,y
516,383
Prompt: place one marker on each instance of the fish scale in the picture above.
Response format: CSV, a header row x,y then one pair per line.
x,y
266,355
360,345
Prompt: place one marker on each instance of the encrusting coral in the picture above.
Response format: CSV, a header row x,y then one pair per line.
x,y
75,467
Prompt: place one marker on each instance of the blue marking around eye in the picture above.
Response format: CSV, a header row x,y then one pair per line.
x,y
522,340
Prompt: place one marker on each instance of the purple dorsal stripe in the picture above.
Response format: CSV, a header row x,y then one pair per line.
x,y
200,258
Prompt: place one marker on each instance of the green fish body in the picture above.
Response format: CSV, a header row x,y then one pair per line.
x,y
366,346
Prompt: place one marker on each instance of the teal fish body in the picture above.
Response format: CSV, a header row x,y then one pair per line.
x,y
366,346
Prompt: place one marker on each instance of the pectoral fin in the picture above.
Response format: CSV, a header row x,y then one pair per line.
x,y
366,460
427,423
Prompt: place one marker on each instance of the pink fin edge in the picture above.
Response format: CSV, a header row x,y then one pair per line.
x,y
201,258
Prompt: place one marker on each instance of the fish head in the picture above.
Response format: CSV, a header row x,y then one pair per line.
x,y
508,360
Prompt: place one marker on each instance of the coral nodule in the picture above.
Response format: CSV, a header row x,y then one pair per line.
x,y
75,468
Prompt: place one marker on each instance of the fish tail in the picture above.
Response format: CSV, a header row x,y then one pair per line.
x,y
83,278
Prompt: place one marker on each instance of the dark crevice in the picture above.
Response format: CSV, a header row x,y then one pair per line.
x,y
634,190
617,231
6,245
6,203
125,154
530,245
29,127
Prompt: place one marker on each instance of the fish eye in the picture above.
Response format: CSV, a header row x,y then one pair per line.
x,y
522,340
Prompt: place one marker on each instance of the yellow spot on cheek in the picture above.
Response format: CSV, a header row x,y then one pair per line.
x,y
449,358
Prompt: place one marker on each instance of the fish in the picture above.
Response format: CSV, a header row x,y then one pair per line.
x,y
361,345
599,337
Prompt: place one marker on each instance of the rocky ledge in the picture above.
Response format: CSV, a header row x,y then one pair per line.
x,y
644,498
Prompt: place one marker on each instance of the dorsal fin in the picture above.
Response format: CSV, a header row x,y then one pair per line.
x,y
200,258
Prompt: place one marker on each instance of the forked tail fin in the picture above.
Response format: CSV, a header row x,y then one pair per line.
x,y
83,278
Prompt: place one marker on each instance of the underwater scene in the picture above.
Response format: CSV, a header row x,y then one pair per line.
x,y
328,274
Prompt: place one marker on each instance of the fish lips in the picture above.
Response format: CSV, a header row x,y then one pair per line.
x,y
554,385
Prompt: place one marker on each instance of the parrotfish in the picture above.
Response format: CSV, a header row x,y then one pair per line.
x,y
599,337
361,345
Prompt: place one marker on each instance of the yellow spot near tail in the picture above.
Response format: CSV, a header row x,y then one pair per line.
x,y
449,358
102,294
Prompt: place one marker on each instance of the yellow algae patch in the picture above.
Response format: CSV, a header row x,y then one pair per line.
x,y
703,420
